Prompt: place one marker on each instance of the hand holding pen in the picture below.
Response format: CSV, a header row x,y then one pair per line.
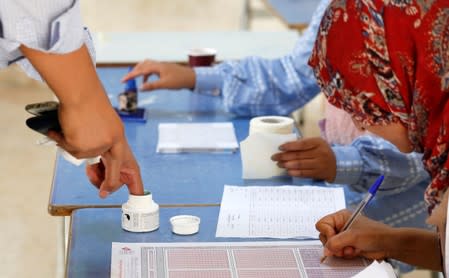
x,y
368,197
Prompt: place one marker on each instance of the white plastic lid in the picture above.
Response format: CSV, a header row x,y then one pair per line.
x,y
202,51
185,224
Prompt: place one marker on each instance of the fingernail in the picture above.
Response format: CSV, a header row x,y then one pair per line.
x,y
281,148
104,194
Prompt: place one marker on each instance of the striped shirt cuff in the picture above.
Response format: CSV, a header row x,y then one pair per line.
x,y
349,165
208,80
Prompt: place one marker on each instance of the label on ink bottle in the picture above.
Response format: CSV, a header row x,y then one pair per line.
x,y
140,214
140,222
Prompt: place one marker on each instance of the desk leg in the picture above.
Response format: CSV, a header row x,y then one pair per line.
x,y
61,247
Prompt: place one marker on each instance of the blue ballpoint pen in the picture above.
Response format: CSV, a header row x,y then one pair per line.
x,y
368,197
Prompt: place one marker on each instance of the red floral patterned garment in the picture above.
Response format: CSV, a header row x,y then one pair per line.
x,y
388,61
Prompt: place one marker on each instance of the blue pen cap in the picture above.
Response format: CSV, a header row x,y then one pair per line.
x,y
376,185
131,84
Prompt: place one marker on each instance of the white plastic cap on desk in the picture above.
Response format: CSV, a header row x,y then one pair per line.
x,y
185,224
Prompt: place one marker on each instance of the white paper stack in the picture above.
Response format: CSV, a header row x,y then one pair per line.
x,y
196,137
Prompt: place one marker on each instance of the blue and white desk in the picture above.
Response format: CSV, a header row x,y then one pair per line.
x,y
174,179
296,14
93,231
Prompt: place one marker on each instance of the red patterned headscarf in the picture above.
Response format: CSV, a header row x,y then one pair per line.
x,y
388,61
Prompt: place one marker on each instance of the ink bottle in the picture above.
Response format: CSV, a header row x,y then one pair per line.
x,y
140,213
128,99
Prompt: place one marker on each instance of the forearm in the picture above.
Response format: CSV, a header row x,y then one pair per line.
x,y
257,86
89,124
414,246
71,76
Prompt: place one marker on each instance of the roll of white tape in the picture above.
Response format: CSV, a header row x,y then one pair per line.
x,y
266,134
271,124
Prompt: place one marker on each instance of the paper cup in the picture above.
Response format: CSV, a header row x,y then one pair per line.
x,y
202,57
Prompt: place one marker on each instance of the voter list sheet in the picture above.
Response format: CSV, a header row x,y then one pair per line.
x,y
276,211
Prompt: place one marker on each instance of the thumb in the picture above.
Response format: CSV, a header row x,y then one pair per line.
x,y
302,144
57,137
61,142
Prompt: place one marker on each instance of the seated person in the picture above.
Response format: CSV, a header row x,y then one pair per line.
x,y
393,84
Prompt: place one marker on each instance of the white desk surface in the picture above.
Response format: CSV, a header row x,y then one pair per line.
x,y
129,48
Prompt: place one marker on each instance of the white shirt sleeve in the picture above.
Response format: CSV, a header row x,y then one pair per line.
x,y
53,26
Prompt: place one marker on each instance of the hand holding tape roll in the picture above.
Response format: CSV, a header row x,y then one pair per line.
x,y
266,134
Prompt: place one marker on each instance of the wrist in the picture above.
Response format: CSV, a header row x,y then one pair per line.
x,y
92,95
404,243
392,241
190,78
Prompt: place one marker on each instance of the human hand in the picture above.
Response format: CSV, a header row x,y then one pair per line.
x,y
90,126
171,75
308,158
129,174
90,131
366,237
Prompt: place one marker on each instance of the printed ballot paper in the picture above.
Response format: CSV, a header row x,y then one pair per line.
x,y
196,137
229,259
276,211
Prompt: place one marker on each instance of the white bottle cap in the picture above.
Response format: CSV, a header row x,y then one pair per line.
x,y
185,224
140,201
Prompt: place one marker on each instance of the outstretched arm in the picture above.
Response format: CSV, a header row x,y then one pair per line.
x,y
90,126
48,40
251,86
